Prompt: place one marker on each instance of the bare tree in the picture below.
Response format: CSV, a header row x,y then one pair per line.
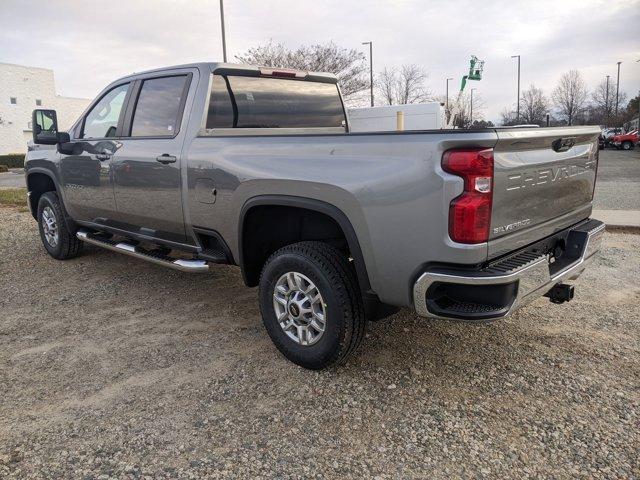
x,y
534,106
603,105
386,86
570,96
463,109
482,124
463,115
403,86
347,64
509,117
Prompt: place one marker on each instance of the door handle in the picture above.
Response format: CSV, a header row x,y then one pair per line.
x,y
103,156
165,158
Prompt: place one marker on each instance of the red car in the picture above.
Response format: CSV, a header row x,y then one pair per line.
x,y
626,141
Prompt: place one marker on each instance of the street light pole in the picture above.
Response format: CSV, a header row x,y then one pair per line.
x,y
224,40
606,104
617,87
638,126
518,102
471,109
447,102
370,67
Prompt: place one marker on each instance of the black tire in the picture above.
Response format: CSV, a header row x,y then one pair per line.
x,y
67,245
335,278
627,145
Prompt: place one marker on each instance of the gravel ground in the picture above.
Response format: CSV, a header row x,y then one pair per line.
x,y
114,368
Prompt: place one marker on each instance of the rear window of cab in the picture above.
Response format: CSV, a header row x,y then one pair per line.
x,y
263,102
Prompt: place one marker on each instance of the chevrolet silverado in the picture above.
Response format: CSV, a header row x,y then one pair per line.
x,y
208,163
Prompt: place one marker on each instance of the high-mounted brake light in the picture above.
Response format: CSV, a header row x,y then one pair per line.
x,y
282,72
470,212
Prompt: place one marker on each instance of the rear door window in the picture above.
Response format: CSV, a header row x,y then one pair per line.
x,y
259,102
158,109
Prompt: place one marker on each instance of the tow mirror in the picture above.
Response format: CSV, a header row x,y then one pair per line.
x,y
45,127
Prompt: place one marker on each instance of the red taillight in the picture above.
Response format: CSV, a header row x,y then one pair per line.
x,y
470,212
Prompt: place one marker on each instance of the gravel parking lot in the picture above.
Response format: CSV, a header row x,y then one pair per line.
x,y
114,368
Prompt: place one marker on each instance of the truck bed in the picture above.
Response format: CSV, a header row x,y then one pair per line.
x,y
385,182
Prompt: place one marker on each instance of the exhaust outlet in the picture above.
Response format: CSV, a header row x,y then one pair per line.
x,y
560,293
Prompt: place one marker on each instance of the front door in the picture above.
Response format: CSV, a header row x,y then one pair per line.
x,y
146,167
85,170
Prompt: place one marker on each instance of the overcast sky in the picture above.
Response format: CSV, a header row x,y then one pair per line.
x,y
90,43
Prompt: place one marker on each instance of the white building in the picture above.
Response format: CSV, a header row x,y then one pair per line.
x,y
22,89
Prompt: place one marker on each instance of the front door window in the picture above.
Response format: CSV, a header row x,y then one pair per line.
x,y
102,120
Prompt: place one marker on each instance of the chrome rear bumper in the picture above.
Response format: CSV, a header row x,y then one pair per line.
x,y
531,275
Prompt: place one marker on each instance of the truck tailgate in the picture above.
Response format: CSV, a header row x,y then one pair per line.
x,y
544,180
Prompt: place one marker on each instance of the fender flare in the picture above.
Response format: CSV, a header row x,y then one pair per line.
x,y
70,222
43,171
319,206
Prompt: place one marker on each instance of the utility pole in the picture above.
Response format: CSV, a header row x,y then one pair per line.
x,y
224,40
447,102
617,87
606,104
518,103
370,67
471,110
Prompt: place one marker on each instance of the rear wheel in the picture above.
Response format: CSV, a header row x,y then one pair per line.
x,y
627,145
55,235
311,304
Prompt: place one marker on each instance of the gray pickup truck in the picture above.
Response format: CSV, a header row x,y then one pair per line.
x,y
209,163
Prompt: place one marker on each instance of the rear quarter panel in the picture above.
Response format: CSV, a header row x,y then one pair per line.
x,y
390,187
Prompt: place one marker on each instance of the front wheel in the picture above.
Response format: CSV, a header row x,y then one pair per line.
x,y
311,304
55,235
627,146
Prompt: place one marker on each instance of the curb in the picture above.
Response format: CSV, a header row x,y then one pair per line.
x,y
620,221
633,229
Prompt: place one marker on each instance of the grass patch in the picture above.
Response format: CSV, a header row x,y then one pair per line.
x,y
16,197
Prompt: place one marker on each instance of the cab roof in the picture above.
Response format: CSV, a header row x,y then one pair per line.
x,y
239,69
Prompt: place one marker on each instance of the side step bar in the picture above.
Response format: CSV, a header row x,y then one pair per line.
x,y
184,265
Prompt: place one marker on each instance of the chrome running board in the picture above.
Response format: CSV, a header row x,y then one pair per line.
x,y
182,264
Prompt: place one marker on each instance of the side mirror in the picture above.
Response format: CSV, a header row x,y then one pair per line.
x,y
45,127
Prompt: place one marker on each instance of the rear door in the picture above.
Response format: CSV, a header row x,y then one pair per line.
x,y
147,178
544,181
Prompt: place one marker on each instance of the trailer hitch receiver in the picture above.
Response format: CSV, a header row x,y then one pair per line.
x,y
560,293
